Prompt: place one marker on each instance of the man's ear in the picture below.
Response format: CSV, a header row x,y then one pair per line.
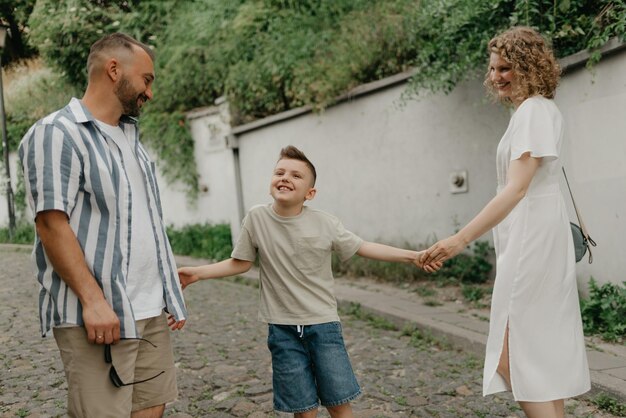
x,y
113,69
310,194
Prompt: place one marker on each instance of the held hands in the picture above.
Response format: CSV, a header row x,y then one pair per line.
x,y
187,276
427,267
443,250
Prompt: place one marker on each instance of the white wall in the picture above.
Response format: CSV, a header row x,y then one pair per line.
x,y
217,199
594,108
384,170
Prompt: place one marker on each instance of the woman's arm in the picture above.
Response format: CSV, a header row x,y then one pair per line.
x,y
230,267
520,174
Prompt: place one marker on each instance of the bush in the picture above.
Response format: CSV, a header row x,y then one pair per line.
x,y
604,313
24,234
365,267
24,82
202,240
610,404
269,56
473,267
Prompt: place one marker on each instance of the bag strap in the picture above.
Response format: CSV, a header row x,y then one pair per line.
x,y
582,224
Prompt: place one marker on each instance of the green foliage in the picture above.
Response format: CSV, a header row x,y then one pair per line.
x,y
204,241
472,293
24,234
473,267
452,39
604,313
14,14
268,56
25,82
453,34
168,134
423,339
64,32
355,310
610,404
365,267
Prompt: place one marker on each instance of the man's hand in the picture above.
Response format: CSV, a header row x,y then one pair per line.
x,y
187,276
67,258
101,323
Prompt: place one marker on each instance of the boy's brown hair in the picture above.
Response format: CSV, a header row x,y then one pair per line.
x,y
292,153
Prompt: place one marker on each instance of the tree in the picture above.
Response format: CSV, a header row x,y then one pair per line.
x,y
268,56
14,14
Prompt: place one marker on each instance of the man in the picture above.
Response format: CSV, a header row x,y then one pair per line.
x,y
103,260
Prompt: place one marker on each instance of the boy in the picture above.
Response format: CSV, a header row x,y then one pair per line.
x,y
309,361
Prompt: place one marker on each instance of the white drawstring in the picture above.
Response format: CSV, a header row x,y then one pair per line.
x,y
300,329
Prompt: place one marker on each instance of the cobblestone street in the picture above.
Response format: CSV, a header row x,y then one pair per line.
x,y
224,365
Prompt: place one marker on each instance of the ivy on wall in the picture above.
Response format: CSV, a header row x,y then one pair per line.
x,y
268,56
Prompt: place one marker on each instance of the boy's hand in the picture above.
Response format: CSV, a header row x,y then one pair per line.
x,y
430,267
187,276
174,324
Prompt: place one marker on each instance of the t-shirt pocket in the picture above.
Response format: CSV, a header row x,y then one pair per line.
x,y
311,253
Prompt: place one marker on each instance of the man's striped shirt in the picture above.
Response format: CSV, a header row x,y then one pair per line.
x,y
70,166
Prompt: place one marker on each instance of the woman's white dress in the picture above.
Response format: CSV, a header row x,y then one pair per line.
x,y
535,289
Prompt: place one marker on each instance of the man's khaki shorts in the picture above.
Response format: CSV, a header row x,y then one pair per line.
x,y
90,391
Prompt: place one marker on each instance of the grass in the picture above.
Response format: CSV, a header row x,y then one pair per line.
x,y
378,322
609,404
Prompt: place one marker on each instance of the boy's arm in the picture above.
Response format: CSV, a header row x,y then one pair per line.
x,y
383,252
230,267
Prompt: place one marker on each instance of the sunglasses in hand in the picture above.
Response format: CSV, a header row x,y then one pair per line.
x,y
115,378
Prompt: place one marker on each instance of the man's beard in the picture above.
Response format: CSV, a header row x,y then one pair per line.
x,y
129,98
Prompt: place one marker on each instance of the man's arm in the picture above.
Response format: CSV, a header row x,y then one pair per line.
x,y
68,260
230,267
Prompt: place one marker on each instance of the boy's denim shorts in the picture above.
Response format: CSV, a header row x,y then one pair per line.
x,y
310,365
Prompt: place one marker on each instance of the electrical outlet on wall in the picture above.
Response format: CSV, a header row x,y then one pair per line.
x,y
458,181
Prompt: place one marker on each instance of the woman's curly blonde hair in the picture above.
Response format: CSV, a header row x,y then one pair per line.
x,y
532,60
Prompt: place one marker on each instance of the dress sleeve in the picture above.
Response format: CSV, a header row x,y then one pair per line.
x,y
536,129
52,169
245,248
345,243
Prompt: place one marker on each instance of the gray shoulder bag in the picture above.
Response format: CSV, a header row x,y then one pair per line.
x,y
582,241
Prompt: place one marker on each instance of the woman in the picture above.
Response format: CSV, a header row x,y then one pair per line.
x,y
535,347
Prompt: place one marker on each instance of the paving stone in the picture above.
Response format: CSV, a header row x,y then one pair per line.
x,y
224,367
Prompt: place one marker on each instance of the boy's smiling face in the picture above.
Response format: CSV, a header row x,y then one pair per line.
x,y
292,182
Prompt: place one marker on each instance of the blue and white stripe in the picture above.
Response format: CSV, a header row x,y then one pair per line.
x,y
70,166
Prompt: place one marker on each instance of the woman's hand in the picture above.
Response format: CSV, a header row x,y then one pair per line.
x,y
428,268
443,250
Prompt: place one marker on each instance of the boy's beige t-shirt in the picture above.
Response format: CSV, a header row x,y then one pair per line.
x,y
296,280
